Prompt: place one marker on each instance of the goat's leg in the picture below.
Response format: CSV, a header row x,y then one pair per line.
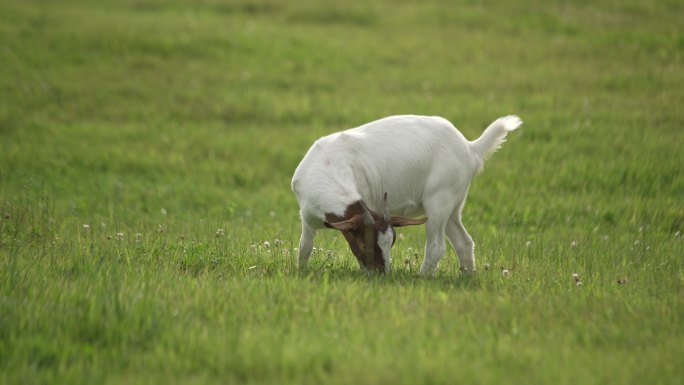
x,y
305,244
435,246
461,241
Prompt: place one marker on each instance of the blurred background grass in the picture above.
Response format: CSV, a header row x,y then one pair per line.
x,y
201,106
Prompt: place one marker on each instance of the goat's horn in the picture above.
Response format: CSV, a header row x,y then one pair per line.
x,y
385,210
367,216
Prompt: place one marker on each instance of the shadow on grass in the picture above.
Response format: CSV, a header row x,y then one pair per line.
x,y
399,277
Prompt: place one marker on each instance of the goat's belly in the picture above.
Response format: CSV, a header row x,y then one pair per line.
x,y
408,209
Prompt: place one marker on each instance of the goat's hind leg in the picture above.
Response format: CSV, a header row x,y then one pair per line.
x,y
461,241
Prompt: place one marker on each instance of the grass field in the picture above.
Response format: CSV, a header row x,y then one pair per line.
x,y
148,227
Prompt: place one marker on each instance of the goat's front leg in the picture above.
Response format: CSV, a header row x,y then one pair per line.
x,y
305,244
435,246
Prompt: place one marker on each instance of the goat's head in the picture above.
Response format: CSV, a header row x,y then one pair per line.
x,y
370,234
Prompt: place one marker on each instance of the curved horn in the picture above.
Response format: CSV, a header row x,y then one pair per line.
x,y
367,216
385,210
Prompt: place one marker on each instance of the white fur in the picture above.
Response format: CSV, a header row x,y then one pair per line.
x,y
385,242
423,163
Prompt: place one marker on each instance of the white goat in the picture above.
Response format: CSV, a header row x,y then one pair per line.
x,y
360,180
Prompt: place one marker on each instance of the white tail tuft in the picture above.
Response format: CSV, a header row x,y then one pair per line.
x,y
493,137
511,122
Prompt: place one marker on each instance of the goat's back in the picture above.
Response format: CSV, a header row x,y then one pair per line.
x,y
401,155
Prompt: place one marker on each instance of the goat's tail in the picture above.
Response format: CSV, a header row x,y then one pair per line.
x,y
493,137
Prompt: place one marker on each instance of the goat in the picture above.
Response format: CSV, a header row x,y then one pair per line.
x,y
367,180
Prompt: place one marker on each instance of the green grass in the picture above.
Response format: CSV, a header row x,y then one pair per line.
x,y
146,149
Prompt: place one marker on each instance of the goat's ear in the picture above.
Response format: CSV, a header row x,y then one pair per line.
x,y
350,224
401,221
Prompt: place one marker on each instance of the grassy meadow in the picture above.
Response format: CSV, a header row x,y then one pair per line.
x,y
148,228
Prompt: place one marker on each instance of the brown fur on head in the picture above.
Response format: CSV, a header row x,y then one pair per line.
x,y
370,234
